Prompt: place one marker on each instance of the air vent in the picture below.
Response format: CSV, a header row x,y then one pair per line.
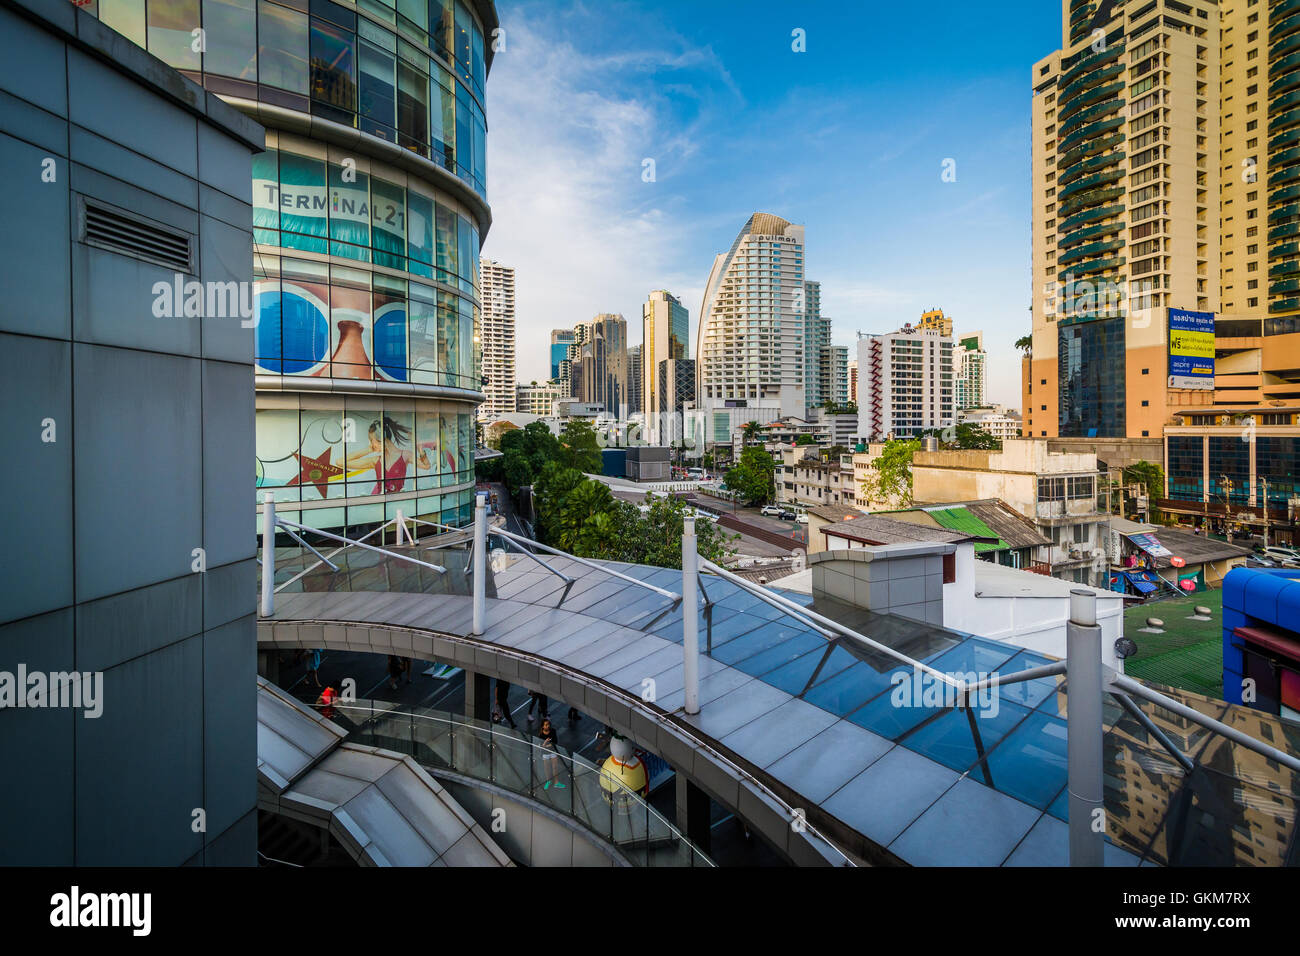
x,y
107,227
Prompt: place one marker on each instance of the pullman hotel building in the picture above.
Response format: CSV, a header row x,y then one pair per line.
x,y
369,207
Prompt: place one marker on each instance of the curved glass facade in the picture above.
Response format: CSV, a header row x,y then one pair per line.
x,y
369,454
399,308
411,72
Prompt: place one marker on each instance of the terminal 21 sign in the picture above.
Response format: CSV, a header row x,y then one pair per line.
x,y
1191,349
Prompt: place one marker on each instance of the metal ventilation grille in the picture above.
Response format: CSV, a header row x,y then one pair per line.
x,y
118,231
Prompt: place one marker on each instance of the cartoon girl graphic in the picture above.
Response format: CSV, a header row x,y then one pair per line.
x,y
388,455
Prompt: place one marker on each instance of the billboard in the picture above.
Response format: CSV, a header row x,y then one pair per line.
x,y
1191,349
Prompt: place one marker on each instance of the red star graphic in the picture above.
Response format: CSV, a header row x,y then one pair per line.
x,y
316,471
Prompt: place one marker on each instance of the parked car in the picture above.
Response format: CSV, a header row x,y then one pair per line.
x,y
1286,557
787,515
802,517
771,511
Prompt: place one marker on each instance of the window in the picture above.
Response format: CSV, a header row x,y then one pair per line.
x,y
333,67
377,92
282,48
230,32
171,33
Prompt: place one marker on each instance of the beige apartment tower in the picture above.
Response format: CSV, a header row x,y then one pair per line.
x,y
1166,175
497,338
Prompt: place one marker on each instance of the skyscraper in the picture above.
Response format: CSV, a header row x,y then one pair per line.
x,y
750,353
665,330
833,374
497,337
601,369
817,338
634,387
1163,162
561,339
971,360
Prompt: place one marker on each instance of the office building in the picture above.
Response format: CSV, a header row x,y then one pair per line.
x,y
905,383
635,390
665,325
561,339
600,369
853,379
497,338
749,352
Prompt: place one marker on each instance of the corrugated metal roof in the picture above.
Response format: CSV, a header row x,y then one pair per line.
x,y
961,519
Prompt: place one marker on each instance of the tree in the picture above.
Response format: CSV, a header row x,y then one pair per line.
x,y
1152,476
579,447
659,534
706,462
970,435
891,479
753,477
805,440
526,452
1025,343
551,489
750,431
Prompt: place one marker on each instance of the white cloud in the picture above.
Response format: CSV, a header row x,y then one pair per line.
x,y
568,133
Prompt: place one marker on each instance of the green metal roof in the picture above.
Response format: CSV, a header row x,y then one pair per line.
x,y
960,519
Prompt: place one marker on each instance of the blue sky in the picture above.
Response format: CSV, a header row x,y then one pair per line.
x,y
848,138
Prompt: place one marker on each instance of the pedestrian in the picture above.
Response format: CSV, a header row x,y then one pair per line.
x,y
394,670
313,666
550,757
407,663
326,701
503,714
537,699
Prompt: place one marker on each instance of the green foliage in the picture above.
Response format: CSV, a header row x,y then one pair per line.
x,y
1025,343
525,452
750,431
579,447
805,440
891,480
581,516
706,462
966,435
753,478
1147,473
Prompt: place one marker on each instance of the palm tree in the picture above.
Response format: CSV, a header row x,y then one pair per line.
x,y
750,430
1025,343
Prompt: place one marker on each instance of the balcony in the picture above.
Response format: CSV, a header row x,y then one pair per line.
x,y
1283,28
1088,87
1282,212
1284,287
1280,72
1087,182
1083,235
1092,249
1090,215
1089,149
1085,66
1091,198
1091,113
1284,231
1088,132
1086,166
1097,267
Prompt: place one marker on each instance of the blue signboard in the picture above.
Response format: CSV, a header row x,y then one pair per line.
x,y
1191,349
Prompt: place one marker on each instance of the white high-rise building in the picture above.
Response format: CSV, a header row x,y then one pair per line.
x,y
497,337
905,383
971,363
750,344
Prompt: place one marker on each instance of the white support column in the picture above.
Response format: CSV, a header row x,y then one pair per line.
x,y
268,554
480,563
1083,677
690,616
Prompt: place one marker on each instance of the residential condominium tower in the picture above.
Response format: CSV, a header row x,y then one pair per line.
x,y
905,383
750,342
816,339
665,336
970,363
1163,160
497,338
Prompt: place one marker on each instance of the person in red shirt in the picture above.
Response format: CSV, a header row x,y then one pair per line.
x,y
326,701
